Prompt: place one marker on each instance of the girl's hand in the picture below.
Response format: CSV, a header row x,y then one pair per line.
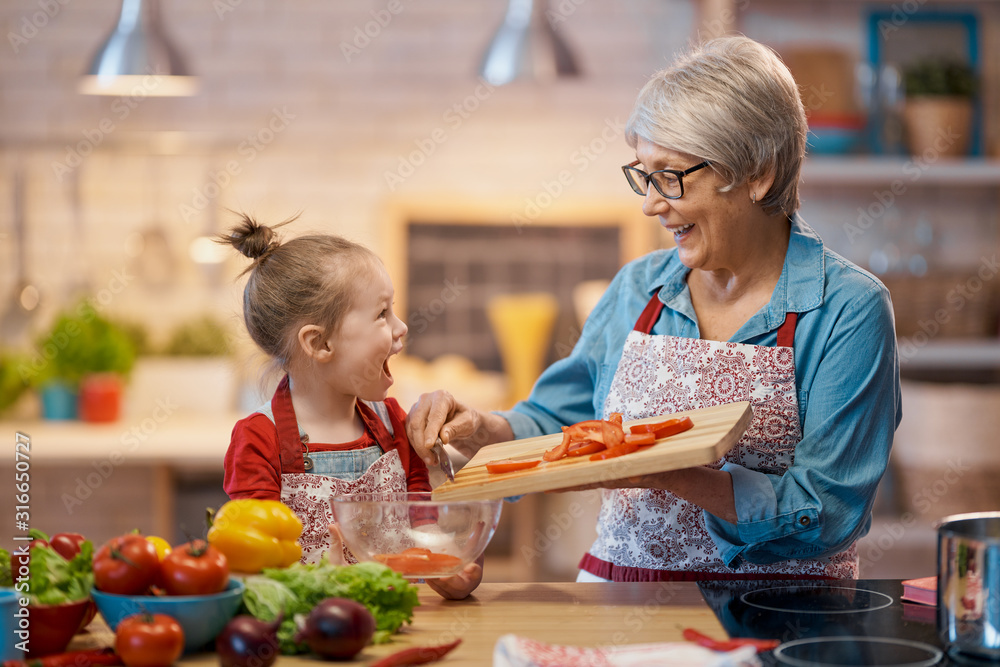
x,y
464,428
459,586
336,553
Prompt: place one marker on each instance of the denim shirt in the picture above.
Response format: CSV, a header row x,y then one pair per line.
x,y
847,378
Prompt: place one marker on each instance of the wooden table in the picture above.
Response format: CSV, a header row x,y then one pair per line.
x,y
559,613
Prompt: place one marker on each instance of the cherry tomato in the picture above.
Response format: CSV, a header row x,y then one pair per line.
x,y
67,545
507,465
149,640
195,568
665,428
126,565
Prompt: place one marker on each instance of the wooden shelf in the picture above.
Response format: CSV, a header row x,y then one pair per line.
x,y
882,170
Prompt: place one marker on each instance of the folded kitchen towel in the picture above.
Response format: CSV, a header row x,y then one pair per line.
x,y
514,651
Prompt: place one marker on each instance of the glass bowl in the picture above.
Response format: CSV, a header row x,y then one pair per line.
x,y
419,537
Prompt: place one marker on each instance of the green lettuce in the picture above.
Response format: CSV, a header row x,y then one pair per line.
x,y
55,580
296,589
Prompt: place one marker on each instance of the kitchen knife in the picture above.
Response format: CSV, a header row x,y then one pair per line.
x,y
443,461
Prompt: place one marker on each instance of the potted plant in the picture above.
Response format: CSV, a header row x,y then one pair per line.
x,y
938,111
80,365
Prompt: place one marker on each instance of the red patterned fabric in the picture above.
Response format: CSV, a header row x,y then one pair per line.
x,y
651,529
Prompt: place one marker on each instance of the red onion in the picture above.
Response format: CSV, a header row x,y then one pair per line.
x,y
248,642
337,628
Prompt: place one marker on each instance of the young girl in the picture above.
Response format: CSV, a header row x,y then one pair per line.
x,y
321,307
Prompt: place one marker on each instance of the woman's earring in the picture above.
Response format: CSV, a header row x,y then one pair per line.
x,y
753,198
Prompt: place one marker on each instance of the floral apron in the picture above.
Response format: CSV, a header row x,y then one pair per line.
x,y
653,535
308,493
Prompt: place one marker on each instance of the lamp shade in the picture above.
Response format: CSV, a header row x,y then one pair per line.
x,y
526,45
137,58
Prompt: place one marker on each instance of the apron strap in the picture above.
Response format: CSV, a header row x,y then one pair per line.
x,y
651,313
289,440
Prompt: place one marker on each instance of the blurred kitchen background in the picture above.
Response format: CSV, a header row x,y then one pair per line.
x,y
491,187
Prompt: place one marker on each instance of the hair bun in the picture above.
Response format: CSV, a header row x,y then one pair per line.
x,y
251,238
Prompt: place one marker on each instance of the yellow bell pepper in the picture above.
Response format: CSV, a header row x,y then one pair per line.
x,y
255,534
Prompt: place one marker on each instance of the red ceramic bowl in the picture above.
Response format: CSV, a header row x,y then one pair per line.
x,y
53,626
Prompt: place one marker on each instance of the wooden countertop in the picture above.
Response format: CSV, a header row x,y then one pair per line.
x,y
574,614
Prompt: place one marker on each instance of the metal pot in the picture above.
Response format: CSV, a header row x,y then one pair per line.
x,y
968,595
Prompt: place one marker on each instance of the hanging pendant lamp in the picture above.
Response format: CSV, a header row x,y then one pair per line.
x,y
137,58
526,45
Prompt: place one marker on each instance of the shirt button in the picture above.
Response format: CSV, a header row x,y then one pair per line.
x,y
804,521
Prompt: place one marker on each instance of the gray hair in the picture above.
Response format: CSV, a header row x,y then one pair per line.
x,y
733,102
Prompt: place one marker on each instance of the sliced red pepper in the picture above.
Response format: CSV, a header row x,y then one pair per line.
x,y
416,655
507,465
692,635
414,563
585,447
664,429
613,452
615,418
641,439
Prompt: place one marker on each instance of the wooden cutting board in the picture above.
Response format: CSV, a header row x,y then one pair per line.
x,y
716,430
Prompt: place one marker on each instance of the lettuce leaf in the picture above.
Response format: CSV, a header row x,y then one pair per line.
x,y
296,589
55,580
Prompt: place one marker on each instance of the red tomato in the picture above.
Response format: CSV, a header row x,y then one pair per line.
x,y
416,562
66,545
149,640
641,439
612,452
126,565
506,465
195,568
665,428
584,448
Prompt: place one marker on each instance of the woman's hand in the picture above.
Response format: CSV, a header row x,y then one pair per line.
x,y
459,586
439,414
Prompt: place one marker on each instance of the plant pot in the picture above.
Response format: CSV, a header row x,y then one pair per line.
x,y
59,401
100,397
938,126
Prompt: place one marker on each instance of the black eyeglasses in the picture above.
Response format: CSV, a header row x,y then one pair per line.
x,y
668,182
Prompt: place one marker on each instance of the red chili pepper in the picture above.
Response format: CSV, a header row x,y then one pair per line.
x,y
88,658
692,635
416,655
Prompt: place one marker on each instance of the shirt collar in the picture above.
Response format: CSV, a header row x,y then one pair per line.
x,y
800,286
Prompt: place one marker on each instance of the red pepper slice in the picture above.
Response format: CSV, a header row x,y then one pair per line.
x,y
641,439
416,655
507,465
585,447
692,635
615,418
664,429
414,563
612,452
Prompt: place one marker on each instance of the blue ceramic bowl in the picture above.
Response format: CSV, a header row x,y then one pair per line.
x,y
8,624
202,617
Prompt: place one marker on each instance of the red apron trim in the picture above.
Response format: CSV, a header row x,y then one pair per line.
x,y
622,573
651,313
289,441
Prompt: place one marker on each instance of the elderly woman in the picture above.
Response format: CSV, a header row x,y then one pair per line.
x,y
750,305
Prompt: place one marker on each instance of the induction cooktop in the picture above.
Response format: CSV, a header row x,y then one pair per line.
x,y
862,621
